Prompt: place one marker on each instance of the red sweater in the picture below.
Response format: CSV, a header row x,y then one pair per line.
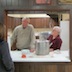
x,y
55,43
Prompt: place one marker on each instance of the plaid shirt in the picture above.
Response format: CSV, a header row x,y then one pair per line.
x,y
55,43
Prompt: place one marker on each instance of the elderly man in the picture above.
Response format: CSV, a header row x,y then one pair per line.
x,y
23,35
55,40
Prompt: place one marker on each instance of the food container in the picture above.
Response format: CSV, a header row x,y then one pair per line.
x,y
25,51
42,47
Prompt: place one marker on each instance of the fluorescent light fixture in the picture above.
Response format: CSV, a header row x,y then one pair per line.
x,y
28,15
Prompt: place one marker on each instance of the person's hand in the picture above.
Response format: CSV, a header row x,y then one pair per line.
x,y
32,49
51,50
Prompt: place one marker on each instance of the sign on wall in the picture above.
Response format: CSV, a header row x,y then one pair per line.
x,y
65,1
43,1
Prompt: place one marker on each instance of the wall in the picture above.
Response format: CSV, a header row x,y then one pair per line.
x,y
36,22
65,17
30,4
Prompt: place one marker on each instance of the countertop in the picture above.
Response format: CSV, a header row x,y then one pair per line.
x,y
62,56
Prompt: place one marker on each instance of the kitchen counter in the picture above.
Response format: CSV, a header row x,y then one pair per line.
x,y
63,56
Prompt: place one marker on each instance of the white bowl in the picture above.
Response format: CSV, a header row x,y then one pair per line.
x,y
25,51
